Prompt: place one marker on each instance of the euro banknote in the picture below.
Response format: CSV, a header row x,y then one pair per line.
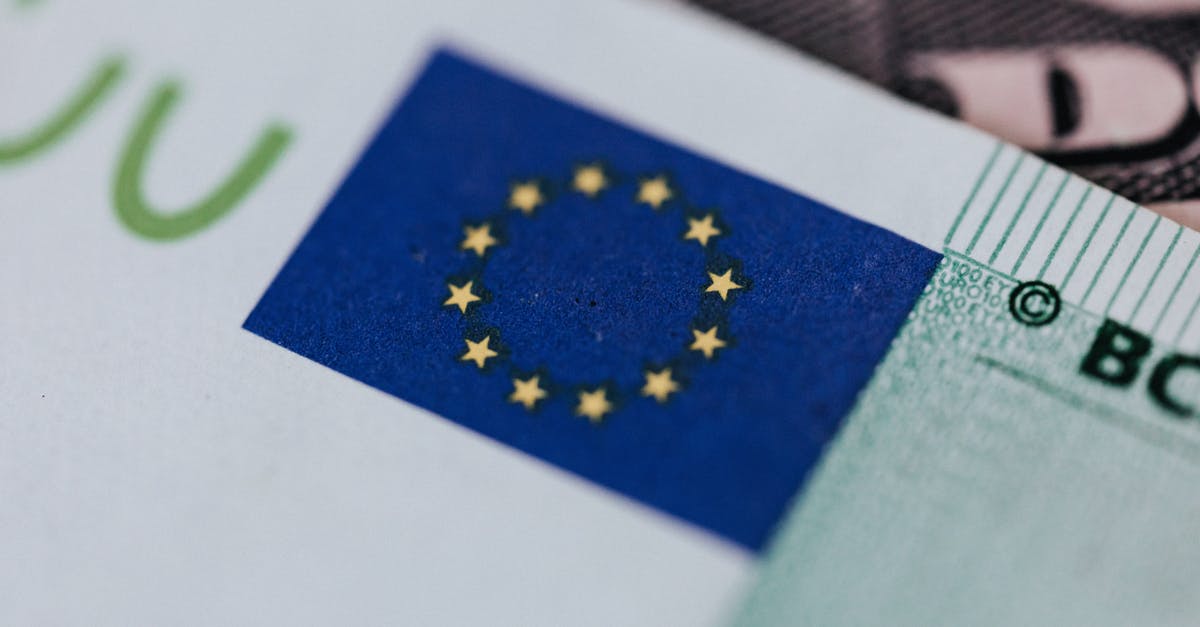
x,y
1105,88
532,314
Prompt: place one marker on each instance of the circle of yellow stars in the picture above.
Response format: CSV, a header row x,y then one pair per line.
x,y
529,196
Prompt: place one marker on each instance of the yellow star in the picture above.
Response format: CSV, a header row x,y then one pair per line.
x,y
589,179
479,238
527,392
701,230
593,405
654,192
722,284
707,342
479,352
461,296
660,385
525,197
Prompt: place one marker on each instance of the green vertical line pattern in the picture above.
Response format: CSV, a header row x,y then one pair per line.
x,y
987,217
1041,223
1187,321
1154,277
1062,235
1129,269
1017,216
1175,292
64,120
987,169
139,217
1108,254
1088,242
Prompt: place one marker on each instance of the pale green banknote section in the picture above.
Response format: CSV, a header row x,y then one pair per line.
x,y
1009,466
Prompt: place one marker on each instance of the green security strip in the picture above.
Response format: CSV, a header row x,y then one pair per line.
x,y
1088,242
141,218
965,477
1017,217
1129,269
1188,320
987,169
1007,223
1066,229
1157,271
962,487
1037,230
1108,254
992,209
1175,290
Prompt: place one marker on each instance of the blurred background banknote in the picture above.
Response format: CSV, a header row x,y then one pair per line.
x,y
1105,88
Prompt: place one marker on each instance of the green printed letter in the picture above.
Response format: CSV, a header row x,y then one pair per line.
x,y
65,119
1160,380
1116,354
132,208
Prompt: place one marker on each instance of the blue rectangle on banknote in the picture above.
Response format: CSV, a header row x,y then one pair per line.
x,y
667,327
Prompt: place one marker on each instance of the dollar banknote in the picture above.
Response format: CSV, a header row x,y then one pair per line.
x,y
1105,88
526,313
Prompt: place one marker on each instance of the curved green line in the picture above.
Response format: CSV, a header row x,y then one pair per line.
x,y
146,221
98,85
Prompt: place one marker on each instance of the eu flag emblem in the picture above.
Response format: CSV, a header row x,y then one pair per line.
x,y
677,331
